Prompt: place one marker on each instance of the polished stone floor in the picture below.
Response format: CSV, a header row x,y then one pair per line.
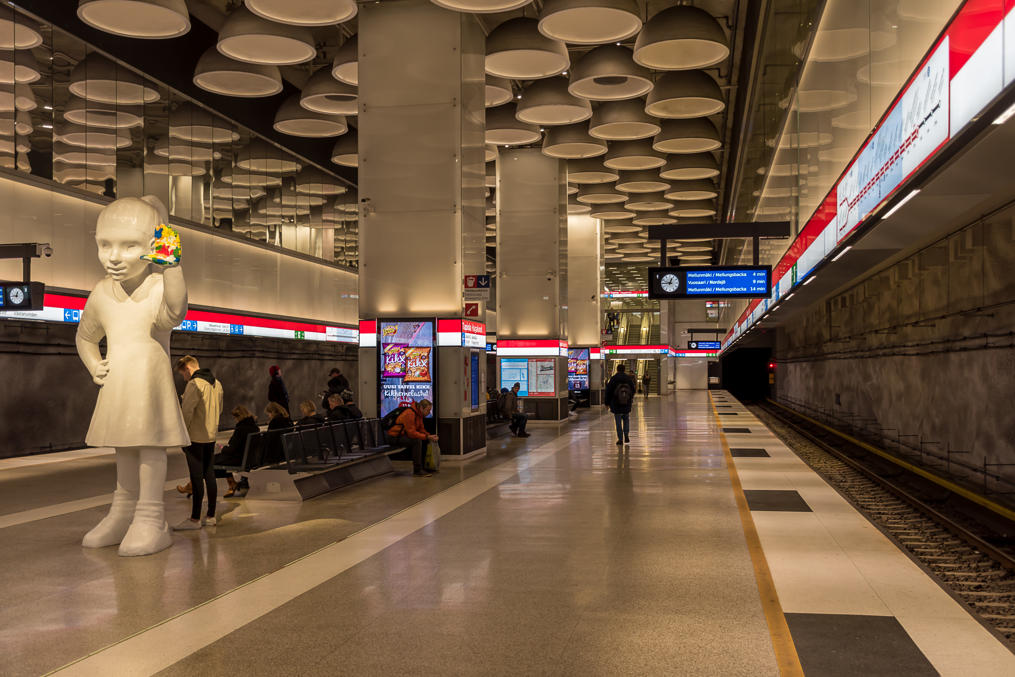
x,y
559,554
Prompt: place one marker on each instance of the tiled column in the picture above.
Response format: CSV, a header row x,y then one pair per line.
x,y
421,168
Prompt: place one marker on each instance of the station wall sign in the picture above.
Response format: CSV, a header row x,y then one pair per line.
x,y
745,282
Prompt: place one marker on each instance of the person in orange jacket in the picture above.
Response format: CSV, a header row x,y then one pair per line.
x,y
409,432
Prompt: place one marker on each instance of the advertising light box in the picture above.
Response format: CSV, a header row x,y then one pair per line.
x,y
542,377
578,369
406,363
515,370
746,282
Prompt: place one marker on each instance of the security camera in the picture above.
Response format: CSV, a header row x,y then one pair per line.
x,y
43,249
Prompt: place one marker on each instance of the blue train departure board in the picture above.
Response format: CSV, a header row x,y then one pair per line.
x,y
745,282
704,345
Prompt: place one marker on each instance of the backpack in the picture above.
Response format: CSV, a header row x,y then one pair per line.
x,y
388,422
622,396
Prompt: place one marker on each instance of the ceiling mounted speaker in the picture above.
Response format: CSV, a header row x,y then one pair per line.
x,y
686,209
693,135
481,6
324,94
590,171
295,120
547,102
504,129
97,114
575,207
623,121
498,91
698,189
633,155
17,97
151,19
247,37
685,94
260,156
18,31
517,50
190,123
312,181
18,67
218,74
681,38
96,78
690,166
589,22
657,217
304,12
644,202
608,73
345,65
641,181
346,150
600,194
572,142
91,137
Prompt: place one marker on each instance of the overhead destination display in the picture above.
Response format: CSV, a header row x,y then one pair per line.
x,y
748,282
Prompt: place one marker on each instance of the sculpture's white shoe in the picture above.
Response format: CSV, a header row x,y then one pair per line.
x,y
114,526
148,533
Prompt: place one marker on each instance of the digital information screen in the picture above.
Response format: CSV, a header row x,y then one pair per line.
x,y
745,282
704,345
578,369
406,364
474,378
515,370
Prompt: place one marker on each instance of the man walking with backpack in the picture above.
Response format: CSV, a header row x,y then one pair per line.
x,y
619,398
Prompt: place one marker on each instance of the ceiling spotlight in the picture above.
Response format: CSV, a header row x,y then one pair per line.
x,y
151,19
517,50
589,22
681,38
217,73
304,12
248,37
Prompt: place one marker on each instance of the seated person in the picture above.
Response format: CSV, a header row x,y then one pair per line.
x,y
350,405
509,410
337,411
278,420
310,415
410,432
232,452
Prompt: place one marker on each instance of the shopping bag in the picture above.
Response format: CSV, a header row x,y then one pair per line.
x,y
432,457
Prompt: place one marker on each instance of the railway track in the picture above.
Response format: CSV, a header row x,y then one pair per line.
x,y
969,558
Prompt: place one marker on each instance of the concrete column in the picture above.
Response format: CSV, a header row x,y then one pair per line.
x,y
532,273
421,168
584,285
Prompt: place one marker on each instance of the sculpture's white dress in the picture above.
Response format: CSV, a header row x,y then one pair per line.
x,y
138,405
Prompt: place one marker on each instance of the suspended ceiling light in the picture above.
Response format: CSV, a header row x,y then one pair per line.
x,y
843,44
157,164
600,194
547,102
623,121
217,73
191,123
260,156
247,37
176,149
324,94
685,94
656,217
481,6
503,128
91,137
618,241
221,189
75,174
698,189
18,31
312,181
572,189
681,38
517,50
590,171
346,150
572,142
608,73
98,114
150,19
644,202
345,66
348,203
804,140
589,22
693,135
690,166
246,179
287,198
295,120
693,208
622,225
575,207
490,180
641,181
18,67
304,12
96,78
15,122
498,91
633,155
490,153
17,97
268,208
633,249
611,212
75,155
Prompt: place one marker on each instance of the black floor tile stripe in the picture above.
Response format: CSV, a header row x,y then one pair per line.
x,y
776,500
736,430
748,452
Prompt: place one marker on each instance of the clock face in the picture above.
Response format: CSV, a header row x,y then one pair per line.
x,y
669,283
16,295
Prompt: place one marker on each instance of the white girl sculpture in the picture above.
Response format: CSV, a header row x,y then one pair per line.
x,y
135,307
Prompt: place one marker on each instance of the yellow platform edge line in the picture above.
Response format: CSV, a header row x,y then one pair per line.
x,y
786,657
926,474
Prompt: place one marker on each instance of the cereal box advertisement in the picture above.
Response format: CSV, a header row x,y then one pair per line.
x,y
407,363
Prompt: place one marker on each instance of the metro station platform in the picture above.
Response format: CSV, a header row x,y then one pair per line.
x,y
704,547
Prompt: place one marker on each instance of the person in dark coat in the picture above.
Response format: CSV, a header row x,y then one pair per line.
x,y
619,397
232,452
338,383
278,422
337,411
277,392
350,405
646,381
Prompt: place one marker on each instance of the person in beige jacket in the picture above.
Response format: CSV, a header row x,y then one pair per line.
x,y
202,407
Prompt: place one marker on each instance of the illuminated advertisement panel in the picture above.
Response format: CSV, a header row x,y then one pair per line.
x,y
406,354
578,369
515,370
